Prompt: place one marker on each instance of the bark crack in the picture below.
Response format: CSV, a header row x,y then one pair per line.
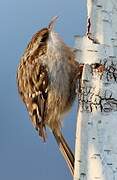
x,y
91,96
89,34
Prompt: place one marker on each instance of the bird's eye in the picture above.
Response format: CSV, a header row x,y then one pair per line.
x,y
44,37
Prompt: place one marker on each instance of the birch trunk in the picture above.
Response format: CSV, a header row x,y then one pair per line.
x,y
96,133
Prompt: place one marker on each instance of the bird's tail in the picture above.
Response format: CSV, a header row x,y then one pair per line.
x,y
65,150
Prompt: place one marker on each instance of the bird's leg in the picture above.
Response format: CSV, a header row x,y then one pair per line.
x,y
80,70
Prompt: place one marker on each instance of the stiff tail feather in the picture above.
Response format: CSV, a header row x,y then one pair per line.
x,y
65,151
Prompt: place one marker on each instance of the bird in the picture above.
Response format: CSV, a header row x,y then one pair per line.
x,y
47,77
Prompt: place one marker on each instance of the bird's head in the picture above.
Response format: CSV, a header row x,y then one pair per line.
x,y
43,35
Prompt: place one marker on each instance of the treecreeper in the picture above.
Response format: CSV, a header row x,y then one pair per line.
x,y
47,78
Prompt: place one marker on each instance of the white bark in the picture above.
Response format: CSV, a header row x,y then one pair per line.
x,y
96,133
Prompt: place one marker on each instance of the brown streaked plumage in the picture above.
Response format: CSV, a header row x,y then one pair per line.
x,y
47,79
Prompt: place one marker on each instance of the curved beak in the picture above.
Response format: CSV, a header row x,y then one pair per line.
x,y
52,23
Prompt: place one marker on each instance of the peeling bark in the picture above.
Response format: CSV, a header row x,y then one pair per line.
x,y
96,93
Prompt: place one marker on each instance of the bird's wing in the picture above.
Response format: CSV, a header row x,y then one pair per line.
x,y
34,92
39,98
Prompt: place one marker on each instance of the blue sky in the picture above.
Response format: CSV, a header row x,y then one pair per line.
x,y
23,156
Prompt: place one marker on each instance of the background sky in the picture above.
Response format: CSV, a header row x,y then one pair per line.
x,y
23,156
